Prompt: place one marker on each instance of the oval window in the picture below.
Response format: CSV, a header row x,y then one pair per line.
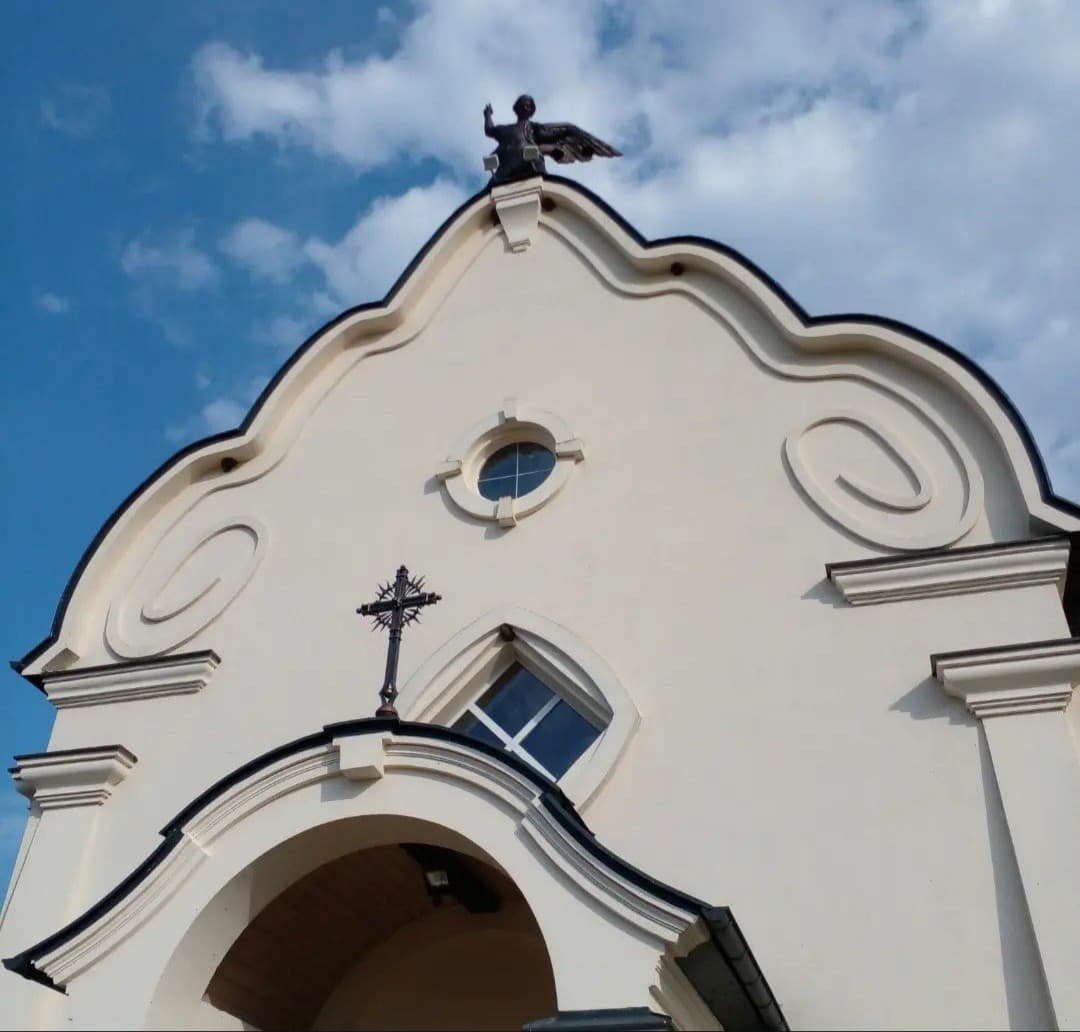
x,y
515,470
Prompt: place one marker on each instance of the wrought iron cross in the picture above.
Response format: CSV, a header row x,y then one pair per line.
x,y
395,606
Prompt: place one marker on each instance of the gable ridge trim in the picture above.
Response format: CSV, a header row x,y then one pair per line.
x,y
1054,502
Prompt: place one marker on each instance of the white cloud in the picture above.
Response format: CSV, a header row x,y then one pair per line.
x,y
54,304
285,332
223,413
265,250
364,263
175,262
76,110
913,159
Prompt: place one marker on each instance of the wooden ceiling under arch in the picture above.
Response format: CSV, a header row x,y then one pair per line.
x,y
282,968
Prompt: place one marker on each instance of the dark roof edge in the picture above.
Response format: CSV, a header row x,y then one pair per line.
x,y
731,943
734,948
1045,490
1070,598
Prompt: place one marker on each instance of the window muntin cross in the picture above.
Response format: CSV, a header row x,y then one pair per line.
x,y
515,470
521,714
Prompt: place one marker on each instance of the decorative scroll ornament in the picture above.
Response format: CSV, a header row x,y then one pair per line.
x,y
934,511
188,581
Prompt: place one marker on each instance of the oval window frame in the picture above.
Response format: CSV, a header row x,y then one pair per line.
x,y
513,423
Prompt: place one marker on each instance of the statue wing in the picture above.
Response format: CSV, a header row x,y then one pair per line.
x,y
567,143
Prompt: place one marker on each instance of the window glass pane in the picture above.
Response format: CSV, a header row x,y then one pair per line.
x,y
515,470
469,725
560,738
534,458
502,464
529,482
514,699
499,487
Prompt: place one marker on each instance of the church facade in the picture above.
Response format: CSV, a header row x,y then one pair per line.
x,y
747,703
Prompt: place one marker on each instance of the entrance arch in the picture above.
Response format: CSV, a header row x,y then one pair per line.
x,y
619,943
390,937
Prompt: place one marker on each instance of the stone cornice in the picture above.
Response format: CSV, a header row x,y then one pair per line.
x,y
72,777
1009,679
954,572
127,681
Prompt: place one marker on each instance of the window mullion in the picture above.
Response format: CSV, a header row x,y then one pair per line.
x,y
518,750
542,712
490,724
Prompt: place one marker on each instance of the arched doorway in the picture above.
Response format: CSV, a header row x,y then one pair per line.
x,y
402,936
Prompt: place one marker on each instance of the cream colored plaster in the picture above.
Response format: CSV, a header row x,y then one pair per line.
x,y
794,759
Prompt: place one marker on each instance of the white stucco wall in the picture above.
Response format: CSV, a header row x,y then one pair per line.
x,y
795,758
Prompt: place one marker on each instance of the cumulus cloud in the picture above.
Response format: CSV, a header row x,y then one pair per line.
x,y
76,110
223,413
364,263
264,249
285,332
175,262
360,266
54,304
913,159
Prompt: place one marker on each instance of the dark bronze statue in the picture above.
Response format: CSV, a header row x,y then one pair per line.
x,y
523,144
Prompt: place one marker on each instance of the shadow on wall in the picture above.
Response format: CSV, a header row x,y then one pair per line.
x,y
1026,995
928,701
491,530
824,592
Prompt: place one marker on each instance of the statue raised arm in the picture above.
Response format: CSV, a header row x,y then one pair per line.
x,y
523,144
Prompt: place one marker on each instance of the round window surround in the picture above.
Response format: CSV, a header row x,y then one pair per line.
x,y
514,424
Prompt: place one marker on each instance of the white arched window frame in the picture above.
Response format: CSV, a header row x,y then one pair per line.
x,y
458,673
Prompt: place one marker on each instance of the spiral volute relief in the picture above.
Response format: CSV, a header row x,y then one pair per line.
x,y
189,580
929,493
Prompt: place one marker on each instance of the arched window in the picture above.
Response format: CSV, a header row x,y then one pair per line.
x,y
523,683
523,715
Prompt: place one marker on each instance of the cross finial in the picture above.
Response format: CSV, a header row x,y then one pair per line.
x,y
395,606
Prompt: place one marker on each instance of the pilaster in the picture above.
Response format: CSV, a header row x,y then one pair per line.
x,y
66,790
1019,693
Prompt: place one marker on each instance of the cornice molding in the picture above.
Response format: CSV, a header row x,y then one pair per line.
x,y
72,777
1004,680
959,571
128,681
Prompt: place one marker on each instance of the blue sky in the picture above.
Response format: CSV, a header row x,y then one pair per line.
x,y
191,189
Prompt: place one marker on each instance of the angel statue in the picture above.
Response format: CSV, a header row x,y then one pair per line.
x,y
523,144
